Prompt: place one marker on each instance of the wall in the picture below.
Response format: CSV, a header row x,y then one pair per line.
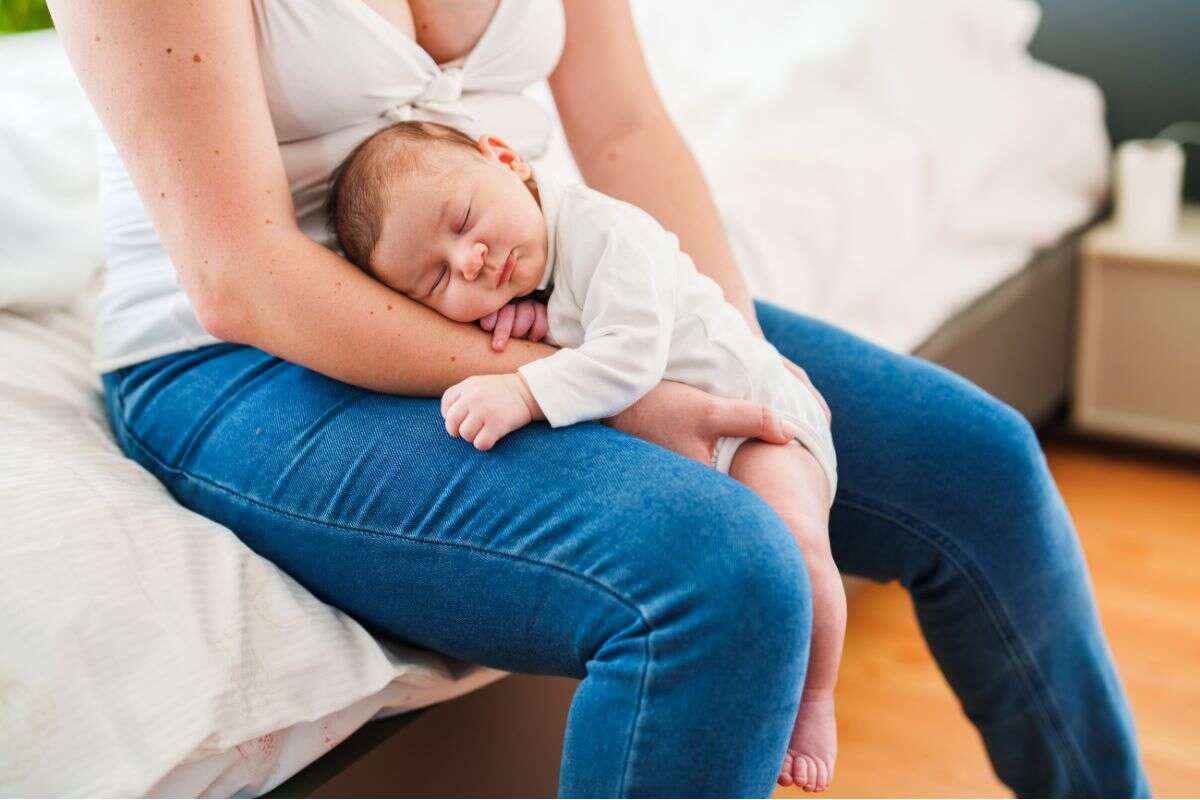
x,y
1145,54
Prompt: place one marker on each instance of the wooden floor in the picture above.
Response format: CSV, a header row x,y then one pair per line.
x,y
901,733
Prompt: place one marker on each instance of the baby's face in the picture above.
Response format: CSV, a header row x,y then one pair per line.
x,y
464,242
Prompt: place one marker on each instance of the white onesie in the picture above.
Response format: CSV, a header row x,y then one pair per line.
x,y
628,309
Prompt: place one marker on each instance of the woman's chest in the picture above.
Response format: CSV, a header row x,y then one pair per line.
x,y
446,29
335,71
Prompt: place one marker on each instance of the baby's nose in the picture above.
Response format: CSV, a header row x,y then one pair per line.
x,y
474,261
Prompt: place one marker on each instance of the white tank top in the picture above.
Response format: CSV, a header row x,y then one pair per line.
x,y
335,71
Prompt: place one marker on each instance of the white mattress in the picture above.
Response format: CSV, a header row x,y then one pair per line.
x,y
147,651
877,164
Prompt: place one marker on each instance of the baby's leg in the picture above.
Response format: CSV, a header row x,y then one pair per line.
x,y
791,480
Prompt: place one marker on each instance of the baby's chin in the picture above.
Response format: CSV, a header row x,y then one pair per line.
x,y
494,310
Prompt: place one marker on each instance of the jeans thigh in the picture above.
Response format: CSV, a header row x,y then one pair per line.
x,y
525,558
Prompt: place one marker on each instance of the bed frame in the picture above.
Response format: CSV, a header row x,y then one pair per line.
x,y
1016,342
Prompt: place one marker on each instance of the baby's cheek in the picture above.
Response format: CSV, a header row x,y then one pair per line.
x,y
448,308
468,309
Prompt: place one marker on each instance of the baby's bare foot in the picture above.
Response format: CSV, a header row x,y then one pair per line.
x,y
812,750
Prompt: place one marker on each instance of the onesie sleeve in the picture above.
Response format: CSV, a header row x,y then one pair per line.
x,y
627,316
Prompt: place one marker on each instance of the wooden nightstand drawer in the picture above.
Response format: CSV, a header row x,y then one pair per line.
x,y
1137,371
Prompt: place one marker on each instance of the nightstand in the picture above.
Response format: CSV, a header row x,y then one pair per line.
x,y
1137,360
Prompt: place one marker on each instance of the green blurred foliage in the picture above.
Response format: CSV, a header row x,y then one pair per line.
x,y
23,15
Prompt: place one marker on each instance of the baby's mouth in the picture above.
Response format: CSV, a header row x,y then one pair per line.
x,y
510,264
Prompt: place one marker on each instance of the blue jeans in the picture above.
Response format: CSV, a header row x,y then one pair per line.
x,y
677,596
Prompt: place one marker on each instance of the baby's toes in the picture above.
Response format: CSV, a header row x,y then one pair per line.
x,y
823,775
785,772
801,771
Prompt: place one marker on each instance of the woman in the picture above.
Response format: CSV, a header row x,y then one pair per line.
x,y
279,391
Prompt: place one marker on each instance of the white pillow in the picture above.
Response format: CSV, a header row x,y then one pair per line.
x,y
50,234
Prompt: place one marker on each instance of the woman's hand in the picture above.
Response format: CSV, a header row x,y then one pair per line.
x,y
524,320
803,376
688,420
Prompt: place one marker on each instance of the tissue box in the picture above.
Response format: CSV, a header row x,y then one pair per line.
x,y
1137,366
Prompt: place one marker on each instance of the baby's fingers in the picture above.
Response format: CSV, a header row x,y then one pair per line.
x,y
541,325
487,438
488,322
504,325
448,398
454,418
523,318
471,426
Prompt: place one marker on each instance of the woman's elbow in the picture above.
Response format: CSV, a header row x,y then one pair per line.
x,y
221,317
216,302
219,282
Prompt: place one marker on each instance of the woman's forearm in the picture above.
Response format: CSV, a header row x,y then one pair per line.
x,y
307,305
652,167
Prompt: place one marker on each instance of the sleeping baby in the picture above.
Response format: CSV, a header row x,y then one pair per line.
x,y
464,226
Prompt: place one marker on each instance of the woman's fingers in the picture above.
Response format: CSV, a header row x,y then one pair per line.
x,y
504,324
799,372
729,417
523,318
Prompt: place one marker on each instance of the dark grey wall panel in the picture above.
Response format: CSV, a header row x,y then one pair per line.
x,y
1145,54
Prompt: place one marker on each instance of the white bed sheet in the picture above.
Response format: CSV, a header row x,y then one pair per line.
x,y
146,650
878,165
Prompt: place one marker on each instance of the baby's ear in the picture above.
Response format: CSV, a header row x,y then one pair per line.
x,y
496,149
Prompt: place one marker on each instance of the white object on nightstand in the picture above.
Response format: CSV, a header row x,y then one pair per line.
x,y
1137,364
1148,188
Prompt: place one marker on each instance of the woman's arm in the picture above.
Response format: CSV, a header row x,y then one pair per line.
x,y
626,145
179,89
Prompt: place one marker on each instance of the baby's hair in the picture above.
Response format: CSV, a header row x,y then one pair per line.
x,y
358,190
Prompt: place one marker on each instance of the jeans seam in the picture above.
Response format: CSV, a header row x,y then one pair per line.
x,y
1065,745
587,579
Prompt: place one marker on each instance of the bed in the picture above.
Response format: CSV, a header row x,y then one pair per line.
x,y
155,655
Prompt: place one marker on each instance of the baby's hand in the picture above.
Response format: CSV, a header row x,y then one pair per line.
x,y
526,319
484,408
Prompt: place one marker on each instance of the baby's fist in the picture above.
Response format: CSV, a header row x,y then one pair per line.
x,y
484,408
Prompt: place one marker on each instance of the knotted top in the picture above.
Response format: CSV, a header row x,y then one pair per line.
x,y
335,71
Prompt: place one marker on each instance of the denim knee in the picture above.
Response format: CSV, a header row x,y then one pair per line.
x,y
751,593
1015,503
